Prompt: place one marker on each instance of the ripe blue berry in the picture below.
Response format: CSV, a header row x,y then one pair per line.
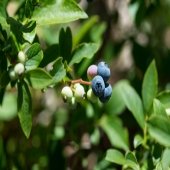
x,y
91,71
106,94
98,85
103,70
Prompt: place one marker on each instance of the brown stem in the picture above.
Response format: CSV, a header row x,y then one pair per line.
x,y
81,82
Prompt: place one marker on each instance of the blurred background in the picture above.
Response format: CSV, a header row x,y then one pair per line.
x,y
130,33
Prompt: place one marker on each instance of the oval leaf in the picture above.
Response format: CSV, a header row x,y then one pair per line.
x,y
25,108
39,79
57,12
116,133
149,86
115,156
34,55
159,129
132,101
86,50
58,71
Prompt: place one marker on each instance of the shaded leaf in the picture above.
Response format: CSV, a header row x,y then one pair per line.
x,y
138,140
24,111
57,12
85,50
149,86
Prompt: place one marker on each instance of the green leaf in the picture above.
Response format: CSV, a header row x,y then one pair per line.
x,y
85,50
159,108
25,109
164,98
115,105
138,140
39,78
58,72
149,86
159,129
34,55
132,101
116,133
3,4
166,159
7,113
57,12
131,161
115,156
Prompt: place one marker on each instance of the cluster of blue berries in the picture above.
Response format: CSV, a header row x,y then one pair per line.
x,y
99,86
100,75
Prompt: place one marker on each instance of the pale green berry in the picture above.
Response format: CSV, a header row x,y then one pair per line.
x,y
59,132
91,96
12,74
21,57
67,93
19,68
79,92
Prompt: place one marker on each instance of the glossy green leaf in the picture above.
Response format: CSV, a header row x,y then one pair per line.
x,y
115,156
39,78
159,129
25,109
58,72
3,4
132,101
149,86
34,55
57,12
159,108
86,50
116,133
6,112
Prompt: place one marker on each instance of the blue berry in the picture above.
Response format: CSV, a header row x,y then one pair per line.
x,y
98,85
103,70
106,94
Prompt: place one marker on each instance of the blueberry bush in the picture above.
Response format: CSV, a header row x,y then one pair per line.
x,y
84,84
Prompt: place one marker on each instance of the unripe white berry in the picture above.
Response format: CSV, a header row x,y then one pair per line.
x,y
79,92
91,96
67,93
21,57
12,74
19,68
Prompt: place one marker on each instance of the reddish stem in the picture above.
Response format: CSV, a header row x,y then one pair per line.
x,y
81,82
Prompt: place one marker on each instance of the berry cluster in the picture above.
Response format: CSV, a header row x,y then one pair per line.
x,y
99,87
19,68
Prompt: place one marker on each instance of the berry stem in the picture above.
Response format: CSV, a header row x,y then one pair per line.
x,y
81,82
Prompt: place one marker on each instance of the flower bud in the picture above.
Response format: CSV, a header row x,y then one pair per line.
x,y
12,74
91,96
79,92
21,57
67,93
19,68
